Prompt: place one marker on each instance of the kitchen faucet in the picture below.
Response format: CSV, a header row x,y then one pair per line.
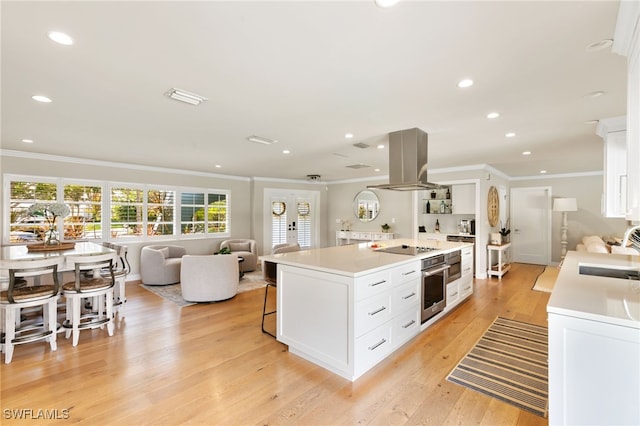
x,y
635,242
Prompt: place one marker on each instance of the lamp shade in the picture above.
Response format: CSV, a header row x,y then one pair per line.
x,y
565,205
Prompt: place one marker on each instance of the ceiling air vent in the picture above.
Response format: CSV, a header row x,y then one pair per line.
x,y
358,166
361,145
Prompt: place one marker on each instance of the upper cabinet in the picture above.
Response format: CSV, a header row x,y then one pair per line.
x,y
614,197
627,43
464,198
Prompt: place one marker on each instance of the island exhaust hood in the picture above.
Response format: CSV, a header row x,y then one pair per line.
x,y
407,161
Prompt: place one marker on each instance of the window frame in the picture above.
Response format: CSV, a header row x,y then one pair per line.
x,y
107,187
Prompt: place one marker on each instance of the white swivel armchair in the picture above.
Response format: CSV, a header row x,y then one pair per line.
x,y
209,278
247,249
160,265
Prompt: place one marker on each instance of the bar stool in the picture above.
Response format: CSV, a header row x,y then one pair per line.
x,y
19,296
120,272
269,273
89,286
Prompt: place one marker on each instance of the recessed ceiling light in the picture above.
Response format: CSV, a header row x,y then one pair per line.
x,y
595,94
60,38
376,170
599,45
592,122
218,166
509,135
263,141
286,151
526,153
41,98
381,146
467,82
348,135
542,172
184,96
386,3
27,140
493,115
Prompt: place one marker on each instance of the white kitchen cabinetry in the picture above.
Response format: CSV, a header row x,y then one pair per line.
x,y
593,372
425,236
348,325
349,237
461,288
614,197
627,43
463,199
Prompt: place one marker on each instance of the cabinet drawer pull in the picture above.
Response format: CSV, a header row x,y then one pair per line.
x,y
467,288
381,342
377,311
378,283
409,324
409,296
404,274
454,294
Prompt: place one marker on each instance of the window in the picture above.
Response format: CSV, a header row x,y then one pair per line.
x,y
127,206
23,194
160,212
304,224
85,220
135,211
278,222
192,213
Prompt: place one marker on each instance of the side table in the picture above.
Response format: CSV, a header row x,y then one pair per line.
x,y
503,266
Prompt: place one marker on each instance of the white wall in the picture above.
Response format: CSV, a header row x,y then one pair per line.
x,y
588,220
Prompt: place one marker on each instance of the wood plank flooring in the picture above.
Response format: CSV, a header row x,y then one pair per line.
x,y
210,364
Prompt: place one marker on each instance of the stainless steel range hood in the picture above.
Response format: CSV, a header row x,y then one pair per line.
x,y
407,161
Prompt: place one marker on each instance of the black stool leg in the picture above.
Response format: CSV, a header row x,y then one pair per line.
x,y
264,308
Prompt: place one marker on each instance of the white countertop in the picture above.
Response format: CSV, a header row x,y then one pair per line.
x,y
603,299
359,259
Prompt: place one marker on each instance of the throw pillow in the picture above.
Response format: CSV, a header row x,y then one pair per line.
x,y
240,246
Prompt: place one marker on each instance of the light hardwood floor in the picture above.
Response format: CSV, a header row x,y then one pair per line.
x,y
210,364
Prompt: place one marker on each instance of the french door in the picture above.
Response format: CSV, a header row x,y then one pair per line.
x,y
290,217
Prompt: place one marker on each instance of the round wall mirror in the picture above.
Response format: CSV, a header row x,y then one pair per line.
x,y
366,206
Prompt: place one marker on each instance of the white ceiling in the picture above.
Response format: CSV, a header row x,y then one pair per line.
x,y
306,73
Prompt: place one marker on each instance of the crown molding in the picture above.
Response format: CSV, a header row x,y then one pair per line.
x,y
559,176
101,163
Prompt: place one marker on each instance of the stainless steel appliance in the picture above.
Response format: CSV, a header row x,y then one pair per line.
x,y
465,226
407,161
454,260
406,249
434,280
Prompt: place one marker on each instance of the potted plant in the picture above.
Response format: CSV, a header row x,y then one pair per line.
x,y
505,231
385,227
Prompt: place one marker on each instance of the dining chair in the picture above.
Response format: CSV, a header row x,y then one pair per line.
x,y
89,285
41,290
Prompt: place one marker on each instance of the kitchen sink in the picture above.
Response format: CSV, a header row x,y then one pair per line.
x,y
610,272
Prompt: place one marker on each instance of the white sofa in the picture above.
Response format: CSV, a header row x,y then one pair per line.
x,y
595,244
160,265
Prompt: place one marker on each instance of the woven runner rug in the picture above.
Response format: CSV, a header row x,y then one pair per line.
x,y
509,363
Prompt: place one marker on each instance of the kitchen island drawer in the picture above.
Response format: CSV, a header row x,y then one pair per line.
x,y
372,284
372,312
372,347
406,326
405,296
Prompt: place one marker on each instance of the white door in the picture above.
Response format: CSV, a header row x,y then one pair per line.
x,y
530,225
290,217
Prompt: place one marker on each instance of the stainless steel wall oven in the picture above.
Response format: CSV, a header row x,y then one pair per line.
x,y
454,260
434,281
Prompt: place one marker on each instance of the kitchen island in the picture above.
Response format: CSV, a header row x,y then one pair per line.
x,y
347,308
594,342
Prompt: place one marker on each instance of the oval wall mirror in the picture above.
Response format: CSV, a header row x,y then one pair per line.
x,y
366,205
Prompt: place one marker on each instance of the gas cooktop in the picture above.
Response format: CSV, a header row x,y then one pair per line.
x,y
409,250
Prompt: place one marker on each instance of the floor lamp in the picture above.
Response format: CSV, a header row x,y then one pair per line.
x,y
564,205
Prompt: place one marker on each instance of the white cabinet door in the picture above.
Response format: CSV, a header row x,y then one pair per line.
x,y
464,198
614,197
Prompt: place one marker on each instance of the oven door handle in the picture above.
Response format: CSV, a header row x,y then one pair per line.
x,y
434,271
